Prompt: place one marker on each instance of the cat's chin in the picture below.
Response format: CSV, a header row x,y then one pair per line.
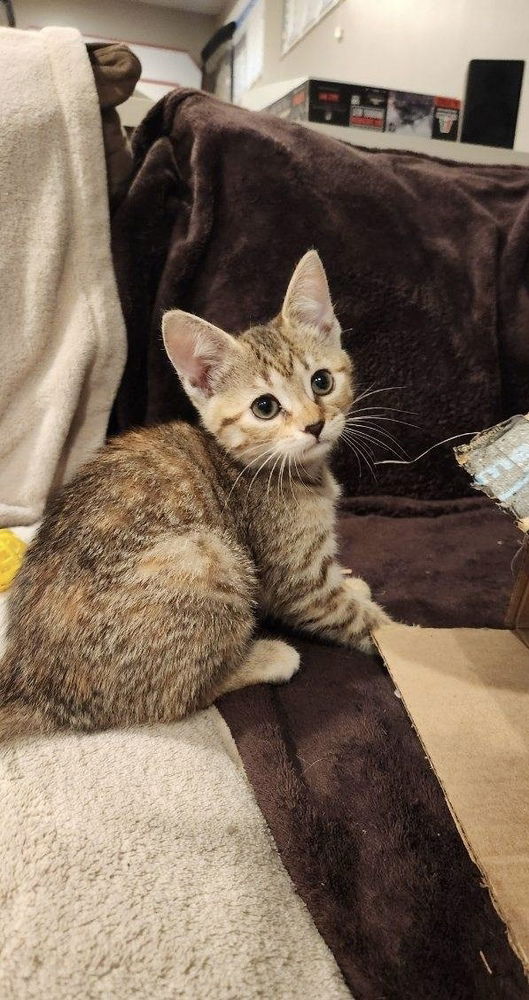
x,y
316,452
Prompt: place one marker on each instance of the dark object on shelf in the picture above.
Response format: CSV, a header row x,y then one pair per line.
x,y
224,34
217,56
316,101
369,107
491,102
373,108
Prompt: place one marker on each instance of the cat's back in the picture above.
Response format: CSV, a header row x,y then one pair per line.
x,y
144,483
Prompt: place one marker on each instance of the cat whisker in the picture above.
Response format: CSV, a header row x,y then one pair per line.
x,y
380,406
300,481
348,438
372,409
245,468
381,416
364,451
294,497
262,466
281,471
381,443
371,424
272,472
384,434
374,392
358,438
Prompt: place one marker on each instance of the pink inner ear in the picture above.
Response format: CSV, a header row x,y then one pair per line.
x,y
182,349
312,306
307,298
201,378
197,349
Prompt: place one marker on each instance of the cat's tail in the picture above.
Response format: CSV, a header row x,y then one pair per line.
x,y
17,718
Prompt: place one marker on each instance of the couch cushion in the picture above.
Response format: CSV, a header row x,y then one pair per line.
x,y
426,261
434,563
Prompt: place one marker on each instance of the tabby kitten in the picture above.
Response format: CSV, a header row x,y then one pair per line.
x,y
138,601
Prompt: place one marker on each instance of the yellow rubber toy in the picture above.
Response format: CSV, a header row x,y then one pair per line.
x,y
12,550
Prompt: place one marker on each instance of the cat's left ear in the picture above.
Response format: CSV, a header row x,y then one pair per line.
x,y
308,301
197,349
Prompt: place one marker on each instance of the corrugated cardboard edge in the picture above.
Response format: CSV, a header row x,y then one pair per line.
x,y
517,617
463,452
517,948
518,609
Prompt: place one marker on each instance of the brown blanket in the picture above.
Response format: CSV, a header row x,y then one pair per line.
x,y
428,267
116,72
359,819
427,264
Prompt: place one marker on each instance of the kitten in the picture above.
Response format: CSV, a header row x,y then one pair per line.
x,y
138,601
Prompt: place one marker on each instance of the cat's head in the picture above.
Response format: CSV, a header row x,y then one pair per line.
x,y
282,389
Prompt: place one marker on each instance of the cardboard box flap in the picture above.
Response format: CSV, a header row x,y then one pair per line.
x,y
498,461
467,693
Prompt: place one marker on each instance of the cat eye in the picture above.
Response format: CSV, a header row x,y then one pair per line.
x,y
265,407
322,382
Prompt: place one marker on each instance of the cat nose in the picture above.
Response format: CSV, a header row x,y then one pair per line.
x,y
315,429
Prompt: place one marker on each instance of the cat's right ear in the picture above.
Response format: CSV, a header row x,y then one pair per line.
x,y
197,349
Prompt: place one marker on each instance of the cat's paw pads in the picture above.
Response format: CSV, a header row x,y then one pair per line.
x,y
283,662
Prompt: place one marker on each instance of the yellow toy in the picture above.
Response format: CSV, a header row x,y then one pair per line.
x,y
12,550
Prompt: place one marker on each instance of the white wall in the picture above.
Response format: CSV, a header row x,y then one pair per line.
x,y
418,45
126,21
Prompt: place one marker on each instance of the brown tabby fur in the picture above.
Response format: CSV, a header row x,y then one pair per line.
x,y
139,600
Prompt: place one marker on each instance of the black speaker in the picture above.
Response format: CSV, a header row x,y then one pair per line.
x,y
491,102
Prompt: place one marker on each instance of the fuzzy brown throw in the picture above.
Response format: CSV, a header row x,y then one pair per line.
x,y
427,263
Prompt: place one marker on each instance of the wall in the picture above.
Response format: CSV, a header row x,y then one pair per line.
x,y
418,45
126,21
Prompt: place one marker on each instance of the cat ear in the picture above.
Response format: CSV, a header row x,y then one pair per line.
x,y
197,349
308,300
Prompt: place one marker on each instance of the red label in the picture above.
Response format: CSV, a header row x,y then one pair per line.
x,y
364,120
328,95
447,102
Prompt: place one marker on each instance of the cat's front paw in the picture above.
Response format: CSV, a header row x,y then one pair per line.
x,y
359,587
370,617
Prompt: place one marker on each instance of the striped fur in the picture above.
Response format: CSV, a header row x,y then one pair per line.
x,y
139,600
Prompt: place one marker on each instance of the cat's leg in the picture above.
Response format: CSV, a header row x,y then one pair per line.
x,y
269,661
358,586
322,601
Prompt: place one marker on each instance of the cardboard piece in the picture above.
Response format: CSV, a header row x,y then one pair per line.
x,y
467,692
498,461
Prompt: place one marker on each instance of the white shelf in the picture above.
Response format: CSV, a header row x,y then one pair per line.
x,y
462,152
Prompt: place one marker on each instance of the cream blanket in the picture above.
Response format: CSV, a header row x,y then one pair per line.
x,y
136,863
61,330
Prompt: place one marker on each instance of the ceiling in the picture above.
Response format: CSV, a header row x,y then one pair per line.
x,y
196,6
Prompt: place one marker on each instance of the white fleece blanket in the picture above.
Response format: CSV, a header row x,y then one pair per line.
x,y
133,863
138,864
62,334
